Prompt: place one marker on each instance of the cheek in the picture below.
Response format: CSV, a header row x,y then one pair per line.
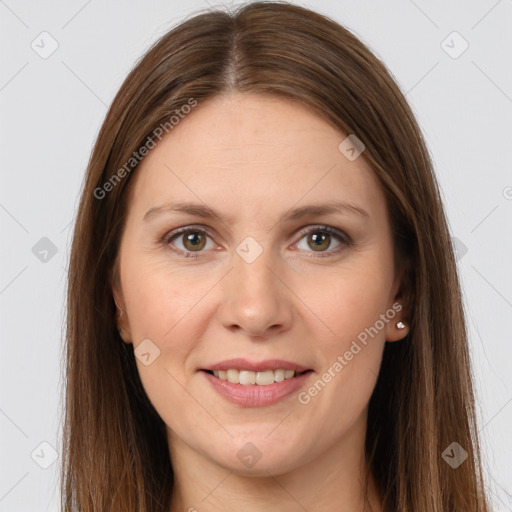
x,y
165,307
161,300
351,336
351,357
348,301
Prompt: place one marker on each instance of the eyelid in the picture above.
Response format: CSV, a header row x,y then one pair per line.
x,y
192,227
341,235
327,229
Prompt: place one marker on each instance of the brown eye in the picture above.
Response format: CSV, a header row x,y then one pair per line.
x,y
319,241
194,240
189,241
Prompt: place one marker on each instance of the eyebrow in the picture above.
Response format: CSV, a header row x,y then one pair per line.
x,y
201,210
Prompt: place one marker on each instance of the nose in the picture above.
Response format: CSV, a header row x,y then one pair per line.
x,y
256,300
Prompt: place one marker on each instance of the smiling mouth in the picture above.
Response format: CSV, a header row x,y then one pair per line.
x,y
250,378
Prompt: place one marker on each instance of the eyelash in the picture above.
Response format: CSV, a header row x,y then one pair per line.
x,y
342,237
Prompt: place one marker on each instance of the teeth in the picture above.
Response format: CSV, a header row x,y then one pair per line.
x,y
279,375
248,378
233,376
265,378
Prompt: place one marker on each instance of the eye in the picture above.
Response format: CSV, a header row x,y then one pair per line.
x,y
320,238
191,240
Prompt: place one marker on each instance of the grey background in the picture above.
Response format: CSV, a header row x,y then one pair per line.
x,y
51,111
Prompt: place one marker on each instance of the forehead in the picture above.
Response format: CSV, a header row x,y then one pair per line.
x,y
251,152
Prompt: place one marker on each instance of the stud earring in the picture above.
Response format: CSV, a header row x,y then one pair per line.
x,y
400,325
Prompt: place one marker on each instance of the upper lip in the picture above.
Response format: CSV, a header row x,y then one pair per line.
x,y
256,366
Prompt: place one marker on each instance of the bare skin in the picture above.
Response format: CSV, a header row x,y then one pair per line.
x,y
251,158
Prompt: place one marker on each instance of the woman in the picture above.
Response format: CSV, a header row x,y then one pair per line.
x,y
263,306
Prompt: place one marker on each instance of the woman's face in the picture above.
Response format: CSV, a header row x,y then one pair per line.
x,y
255,277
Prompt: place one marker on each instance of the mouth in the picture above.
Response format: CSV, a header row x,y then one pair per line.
x,y
251,378
250,384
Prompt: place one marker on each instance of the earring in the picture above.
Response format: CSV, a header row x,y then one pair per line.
x,y
400,325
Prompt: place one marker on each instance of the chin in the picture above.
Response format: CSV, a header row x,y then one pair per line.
x,y
255,455
269,464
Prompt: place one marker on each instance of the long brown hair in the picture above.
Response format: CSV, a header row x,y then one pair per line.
x,y
115,453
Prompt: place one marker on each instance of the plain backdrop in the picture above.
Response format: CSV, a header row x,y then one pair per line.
x,y
61,65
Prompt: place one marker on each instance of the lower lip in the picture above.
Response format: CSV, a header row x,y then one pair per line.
x,y
254,395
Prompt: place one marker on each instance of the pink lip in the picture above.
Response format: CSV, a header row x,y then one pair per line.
x,y
244,364
254,395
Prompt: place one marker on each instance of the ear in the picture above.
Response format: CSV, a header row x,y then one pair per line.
x,y
121,316
398,310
